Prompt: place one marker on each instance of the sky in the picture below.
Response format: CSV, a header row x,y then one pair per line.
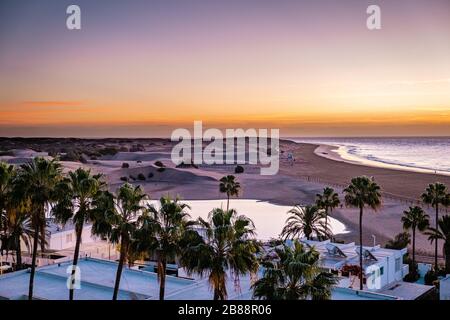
x,y
144,68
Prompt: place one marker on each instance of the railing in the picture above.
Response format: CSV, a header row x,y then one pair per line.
x,y
387,195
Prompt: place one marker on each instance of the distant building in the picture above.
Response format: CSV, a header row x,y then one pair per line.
x,y
444,288
383,268
64,237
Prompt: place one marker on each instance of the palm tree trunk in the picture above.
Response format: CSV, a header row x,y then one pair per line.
x,y
33,260
360,249
162,284
414,250
436,242
216,294
79,232
18,254
123,251
219,286
228,202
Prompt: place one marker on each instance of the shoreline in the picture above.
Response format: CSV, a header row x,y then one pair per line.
x,y
337,153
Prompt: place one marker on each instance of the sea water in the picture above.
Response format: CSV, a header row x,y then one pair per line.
x,y
423,153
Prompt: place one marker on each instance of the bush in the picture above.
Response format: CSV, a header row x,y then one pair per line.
x,y
83,160
141,177
430,277
73,156
125,165
150,175
6,153
400,241
239,169
161,169
159,164
184,165
124,179
108,151
139,161
137,148
412,276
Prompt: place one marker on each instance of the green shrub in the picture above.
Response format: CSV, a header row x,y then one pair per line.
x,y
83,159
161,169
6,153
108,151
430,277
125,165
150,175
72,155
239,169
124,179
159,164
141,177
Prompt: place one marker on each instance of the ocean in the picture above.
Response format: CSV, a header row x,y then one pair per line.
x,y
413,153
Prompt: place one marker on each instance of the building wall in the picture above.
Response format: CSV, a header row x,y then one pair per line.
x,y
377,275
444,288
67,239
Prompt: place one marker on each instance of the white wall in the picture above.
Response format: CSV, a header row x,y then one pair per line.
x,y
67,239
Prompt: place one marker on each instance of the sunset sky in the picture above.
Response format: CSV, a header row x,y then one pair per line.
x,y
143,68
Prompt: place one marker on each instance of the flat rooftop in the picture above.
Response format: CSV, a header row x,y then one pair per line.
x,y
407,290
97,283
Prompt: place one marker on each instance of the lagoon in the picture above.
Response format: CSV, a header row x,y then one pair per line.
x,y
269,218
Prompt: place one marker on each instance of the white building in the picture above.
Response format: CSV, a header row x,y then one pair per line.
x,y
381,266
444,288
64,237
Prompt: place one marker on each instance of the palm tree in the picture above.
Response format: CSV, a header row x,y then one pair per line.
x,y
228,245
161,233
74,203
19,228
7,174
36,181
230,186
327,201
362,191
305,221
115,217
442,233
435,194
415,219
293,273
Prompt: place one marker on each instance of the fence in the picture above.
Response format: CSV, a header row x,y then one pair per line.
x,y
386,195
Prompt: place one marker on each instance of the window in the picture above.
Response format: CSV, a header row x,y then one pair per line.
x,y
397,264
68,238
381,271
